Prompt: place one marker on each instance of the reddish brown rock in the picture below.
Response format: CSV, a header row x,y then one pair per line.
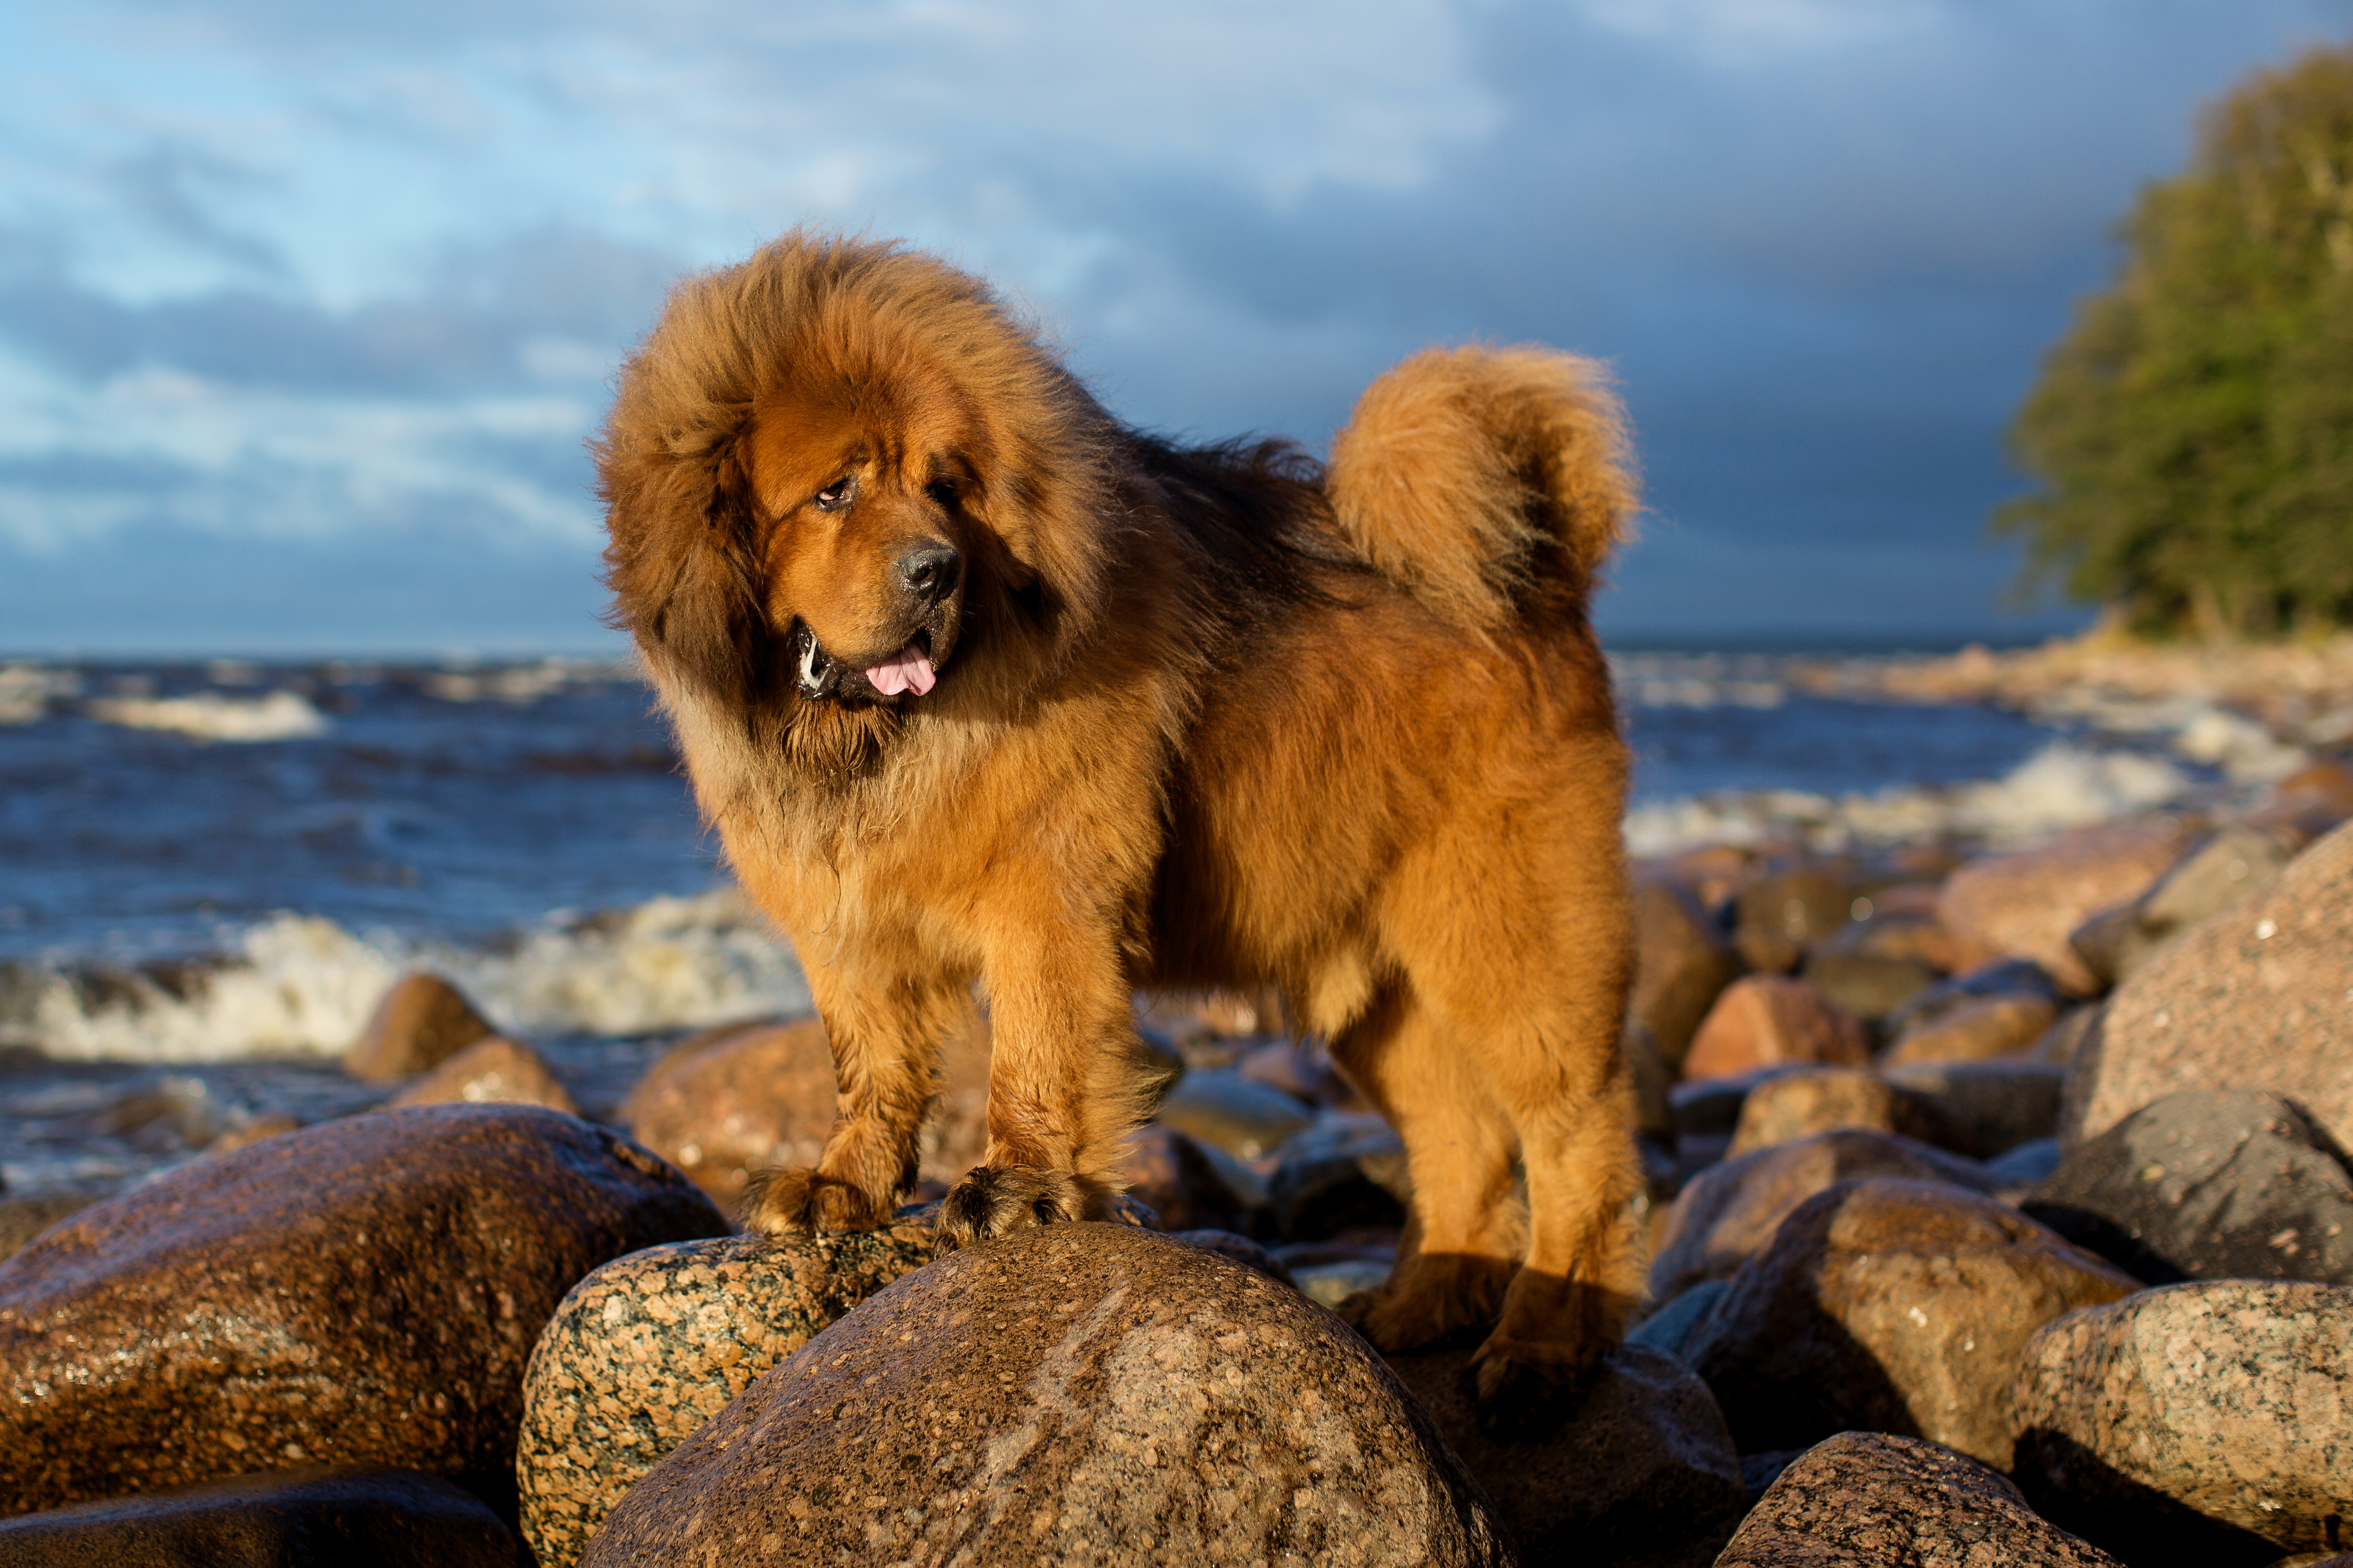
x,y
2025,905
1681,964
2310,800
651,1345
2259,997
2172,1424
723,1106
1764,1020
362,1293
1640,1474
1077,1394
1866,1499
422,1021
495,1071
1731,1210
23,1218
1979,1029
1891,1306
297,1518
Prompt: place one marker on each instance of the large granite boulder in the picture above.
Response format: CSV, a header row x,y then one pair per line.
x,y
651,1346
1891,1306
298,1518
2207,1185
1867,1500
365,1292
1641,1473
1731,1210
2259,997
1078,1393
1763,1020
2209,1422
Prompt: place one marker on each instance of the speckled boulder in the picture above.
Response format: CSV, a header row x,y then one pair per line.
x,y
363,1292
1081,1393
2172,1424
1732,1209
1766,1019
1803,1101
495,1071
1641,1473
1871,1500
652,1345
419,1024
2207,1185
1889,1306
301,1519
2259,997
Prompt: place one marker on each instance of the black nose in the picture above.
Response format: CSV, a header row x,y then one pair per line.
x,y
930,572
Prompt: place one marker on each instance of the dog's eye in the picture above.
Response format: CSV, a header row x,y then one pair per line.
x,y
839,494
943,493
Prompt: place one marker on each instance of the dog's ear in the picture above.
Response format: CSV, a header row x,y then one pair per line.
x,y
686,582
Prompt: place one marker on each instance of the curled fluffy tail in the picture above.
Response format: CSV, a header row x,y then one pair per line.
x,y
1486,482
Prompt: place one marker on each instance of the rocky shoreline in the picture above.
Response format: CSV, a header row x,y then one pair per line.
x,y
1999,1212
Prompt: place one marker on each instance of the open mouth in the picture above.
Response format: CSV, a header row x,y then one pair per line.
x,y
908,672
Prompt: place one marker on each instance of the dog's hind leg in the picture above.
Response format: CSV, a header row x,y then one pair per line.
x,y
886,1040
1462,1232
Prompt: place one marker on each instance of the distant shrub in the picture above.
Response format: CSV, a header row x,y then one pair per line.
x,y
2192,433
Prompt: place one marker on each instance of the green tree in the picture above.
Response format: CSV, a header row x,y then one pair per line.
x,y
2192,433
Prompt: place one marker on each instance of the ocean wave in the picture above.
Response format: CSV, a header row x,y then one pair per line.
x,y
302,986
209,716
2064,785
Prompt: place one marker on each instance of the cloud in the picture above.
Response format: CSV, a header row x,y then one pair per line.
x,y
298,272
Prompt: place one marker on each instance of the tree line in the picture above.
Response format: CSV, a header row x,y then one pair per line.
x,y
2192,435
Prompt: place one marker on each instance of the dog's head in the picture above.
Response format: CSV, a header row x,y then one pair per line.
x,y
844,487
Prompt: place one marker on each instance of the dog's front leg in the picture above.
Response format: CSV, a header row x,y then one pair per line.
x,y
885,1033
1064,1084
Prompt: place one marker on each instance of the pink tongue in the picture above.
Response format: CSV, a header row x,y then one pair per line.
x,y
907,671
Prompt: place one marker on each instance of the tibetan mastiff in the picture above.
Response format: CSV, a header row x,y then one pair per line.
x,y
990,695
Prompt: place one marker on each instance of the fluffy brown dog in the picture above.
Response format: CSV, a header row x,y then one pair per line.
x,y
979,685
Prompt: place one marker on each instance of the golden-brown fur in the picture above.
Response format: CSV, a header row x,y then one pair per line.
x,y
1203,717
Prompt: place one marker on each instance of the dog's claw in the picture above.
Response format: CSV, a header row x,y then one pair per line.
x,y
791,1200
997,1200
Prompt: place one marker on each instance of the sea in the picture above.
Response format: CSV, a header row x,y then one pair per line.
x,y
211,870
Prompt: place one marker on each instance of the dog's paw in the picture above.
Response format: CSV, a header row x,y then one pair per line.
x,y
1524,1389
997,1200
791,1200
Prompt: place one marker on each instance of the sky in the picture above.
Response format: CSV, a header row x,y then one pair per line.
x,y
306,310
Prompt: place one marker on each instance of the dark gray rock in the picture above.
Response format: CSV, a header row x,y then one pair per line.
x,y
1081,1392
316,1519
1641,1473
1870,985
1874,1500
1219,1106
1345,1172
1982,1109
2207,1185
1673,1327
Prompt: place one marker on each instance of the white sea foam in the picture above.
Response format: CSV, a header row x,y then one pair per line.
x,y
303,986
209,716
25,689
2062,786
